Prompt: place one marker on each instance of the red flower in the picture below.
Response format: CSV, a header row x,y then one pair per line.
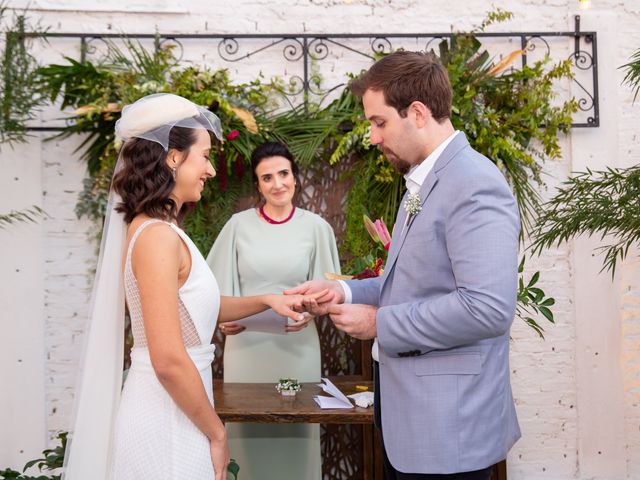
x,y
233,135
370,272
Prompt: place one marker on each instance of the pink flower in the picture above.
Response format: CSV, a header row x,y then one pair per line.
x,y
371,228
233,135
378,231
383,233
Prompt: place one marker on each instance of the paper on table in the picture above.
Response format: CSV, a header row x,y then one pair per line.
x,y
363,399
337,399
265,322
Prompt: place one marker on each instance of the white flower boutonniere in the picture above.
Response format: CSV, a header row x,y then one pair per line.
x,y
413,204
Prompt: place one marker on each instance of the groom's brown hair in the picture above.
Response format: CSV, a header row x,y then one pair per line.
x,y
405,77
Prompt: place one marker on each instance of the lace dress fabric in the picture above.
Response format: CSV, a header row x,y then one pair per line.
x,y
153,438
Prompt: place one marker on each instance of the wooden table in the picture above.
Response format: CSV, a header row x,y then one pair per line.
x,y
261,403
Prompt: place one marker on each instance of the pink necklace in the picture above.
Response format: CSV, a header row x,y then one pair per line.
x,y
275,222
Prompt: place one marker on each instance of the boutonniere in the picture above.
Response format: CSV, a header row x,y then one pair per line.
x,y
413,204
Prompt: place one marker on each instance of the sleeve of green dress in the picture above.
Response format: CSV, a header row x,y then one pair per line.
x,y
325,254
223,260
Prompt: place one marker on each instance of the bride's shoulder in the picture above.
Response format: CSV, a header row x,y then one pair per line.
x,y
147,230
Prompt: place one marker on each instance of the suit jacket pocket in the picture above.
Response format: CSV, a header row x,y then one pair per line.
x,y
448,364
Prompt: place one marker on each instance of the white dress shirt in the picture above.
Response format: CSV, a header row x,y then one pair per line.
x,y
413,181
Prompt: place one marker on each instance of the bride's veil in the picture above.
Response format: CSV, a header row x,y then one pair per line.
x,y
97,394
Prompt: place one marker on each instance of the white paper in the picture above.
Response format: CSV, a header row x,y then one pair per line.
x,y
337,398
362,399
266,322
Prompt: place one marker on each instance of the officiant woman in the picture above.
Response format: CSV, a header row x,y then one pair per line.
x,y
268,249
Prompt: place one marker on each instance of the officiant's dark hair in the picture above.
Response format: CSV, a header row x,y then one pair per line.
x,y
405,77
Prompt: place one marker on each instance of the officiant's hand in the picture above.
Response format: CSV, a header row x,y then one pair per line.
x,y
231,328
296,326
357,320
334,295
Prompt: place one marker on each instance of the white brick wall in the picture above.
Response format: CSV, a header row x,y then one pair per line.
x,y
579,412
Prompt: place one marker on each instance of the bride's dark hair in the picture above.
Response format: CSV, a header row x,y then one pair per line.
x,y
145,181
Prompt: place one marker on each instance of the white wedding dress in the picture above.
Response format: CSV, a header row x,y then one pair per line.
x,y
154,439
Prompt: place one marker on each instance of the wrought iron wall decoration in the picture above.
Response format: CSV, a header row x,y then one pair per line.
x,y
309,60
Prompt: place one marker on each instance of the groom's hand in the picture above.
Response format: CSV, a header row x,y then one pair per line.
x,y
334,295
359,321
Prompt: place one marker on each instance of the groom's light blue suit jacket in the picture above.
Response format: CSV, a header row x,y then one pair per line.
x,y
447,300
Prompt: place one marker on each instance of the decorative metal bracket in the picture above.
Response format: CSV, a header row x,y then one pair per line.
x,y
310,53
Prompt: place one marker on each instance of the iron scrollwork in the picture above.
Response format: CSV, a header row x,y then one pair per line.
x,y
305,55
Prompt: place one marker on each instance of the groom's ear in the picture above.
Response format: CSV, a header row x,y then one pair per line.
x,y
420,112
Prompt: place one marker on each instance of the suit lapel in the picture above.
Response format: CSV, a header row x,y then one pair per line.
x,y
401,229
400,233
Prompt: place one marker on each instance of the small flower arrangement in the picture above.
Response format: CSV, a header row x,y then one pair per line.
x,y
288,387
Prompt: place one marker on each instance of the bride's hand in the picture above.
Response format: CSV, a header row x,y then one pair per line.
x,y
220,458
292,306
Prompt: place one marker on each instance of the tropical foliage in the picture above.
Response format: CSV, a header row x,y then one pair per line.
x,y
632,75
19,94
597,202
28,215
605,203
509,114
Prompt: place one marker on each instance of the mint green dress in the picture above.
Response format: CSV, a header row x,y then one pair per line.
x,y
253,257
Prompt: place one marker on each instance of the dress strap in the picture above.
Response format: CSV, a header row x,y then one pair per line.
x,y
138,231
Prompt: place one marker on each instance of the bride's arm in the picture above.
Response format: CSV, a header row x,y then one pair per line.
x,y
156,262
292,306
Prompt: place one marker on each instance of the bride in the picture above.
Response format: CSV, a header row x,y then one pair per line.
x,y
162,424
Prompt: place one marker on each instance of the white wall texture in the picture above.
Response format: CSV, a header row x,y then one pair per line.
x,y
577,392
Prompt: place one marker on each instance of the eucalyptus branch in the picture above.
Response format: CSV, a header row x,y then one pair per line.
x,y
594,202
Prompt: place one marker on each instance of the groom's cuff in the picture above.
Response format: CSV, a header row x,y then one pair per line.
x,y
348,297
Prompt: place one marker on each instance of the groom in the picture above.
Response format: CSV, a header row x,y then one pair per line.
x,y
442,311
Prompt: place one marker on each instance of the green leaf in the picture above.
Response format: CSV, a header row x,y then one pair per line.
x,y
232,469
547,313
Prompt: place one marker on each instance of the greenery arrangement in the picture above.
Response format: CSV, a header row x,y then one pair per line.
x,y
53,460
597,202
20,98
594,202
632,75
